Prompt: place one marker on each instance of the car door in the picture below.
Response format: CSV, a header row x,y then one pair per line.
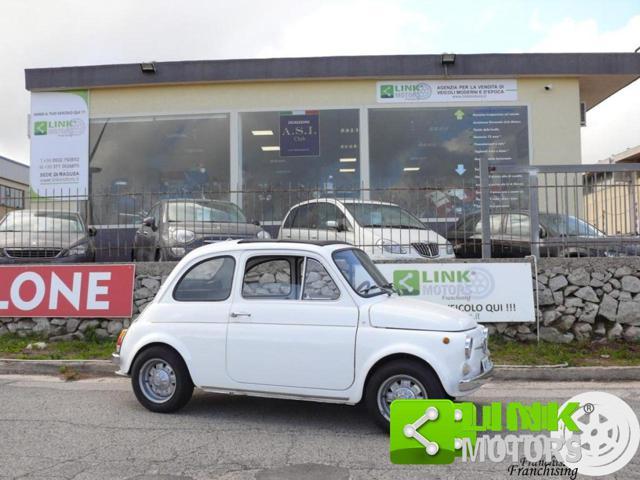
x,y
196,313
291,325
517,235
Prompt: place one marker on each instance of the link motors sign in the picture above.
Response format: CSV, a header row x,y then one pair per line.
x,y
480,90
489,292
72,291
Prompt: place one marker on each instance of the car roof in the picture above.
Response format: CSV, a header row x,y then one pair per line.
x,y
344,200
269,244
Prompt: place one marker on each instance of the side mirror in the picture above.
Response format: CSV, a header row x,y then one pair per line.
x,y
255,222
150,222
543,232
92,231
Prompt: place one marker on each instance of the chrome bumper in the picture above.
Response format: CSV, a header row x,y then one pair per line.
x,y
475,382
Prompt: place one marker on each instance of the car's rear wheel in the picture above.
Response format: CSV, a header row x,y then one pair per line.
x,y
161,380
399,379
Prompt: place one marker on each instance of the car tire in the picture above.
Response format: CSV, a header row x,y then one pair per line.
x,y
411,374
161,380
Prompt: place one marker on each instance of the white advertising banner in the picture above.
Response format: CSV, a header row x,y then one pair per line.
x,y
59,131
481,90
489,292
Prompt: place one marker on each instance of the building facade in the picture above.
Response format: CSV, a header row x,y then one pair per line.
x,y
267,133
14,185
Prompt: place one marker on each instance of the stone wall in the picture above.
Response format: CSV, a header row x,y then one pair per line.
x,y
579,300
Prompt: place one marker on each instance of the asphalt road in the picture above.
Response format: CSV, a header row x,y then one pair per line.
x,y
95,429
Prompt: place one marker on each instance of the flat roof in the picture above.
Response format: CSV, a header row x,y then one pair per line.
x,y
14,171
600,74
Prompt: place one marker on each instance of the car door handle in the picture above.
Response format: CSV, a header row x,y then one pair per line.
x,y
240,314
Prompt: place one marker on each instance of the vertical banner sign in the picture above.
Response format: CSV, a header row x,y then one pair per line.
x,y
489,292
300,134
59,131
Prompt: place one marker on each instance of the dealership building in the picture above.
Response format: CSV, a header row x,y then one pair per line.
x,y
256,130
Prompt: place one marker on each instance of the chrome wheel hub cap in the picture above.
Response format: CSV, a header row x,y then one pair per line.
x,y
157,380
398,387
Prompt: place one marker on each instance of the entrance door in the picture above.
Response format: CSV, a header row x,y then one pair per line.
x,y
285,332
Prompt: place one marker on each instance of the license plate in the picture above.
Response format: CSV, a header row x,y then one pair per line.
x,y
486,364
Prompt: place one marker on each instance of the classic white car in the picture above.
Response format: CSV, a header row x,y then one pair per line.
x,y
300,320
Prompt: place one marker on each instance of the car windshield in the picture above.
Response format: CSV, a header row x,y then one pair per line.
x,y
568,225
203,211
361,273
378,215
28,221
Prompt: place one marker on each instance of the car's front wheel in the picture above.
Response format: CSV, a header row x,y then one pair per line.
x,y
399,379
161,380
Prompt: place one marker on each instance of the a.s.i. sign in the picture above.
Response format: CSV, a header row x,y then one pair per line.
x,y
300,134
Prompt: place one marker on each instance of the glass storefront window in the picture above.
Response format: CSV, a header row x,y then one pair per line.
x,y
134,162
426,159
289,157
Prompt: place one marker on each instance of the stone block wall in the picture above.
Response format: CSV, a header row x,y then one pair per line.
x,y
579,300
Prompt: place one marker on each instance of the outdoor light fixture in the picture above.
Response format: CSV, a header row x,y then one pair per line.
x,y
348,160
261,132
347,170
148,67
270,148
411,169
448,58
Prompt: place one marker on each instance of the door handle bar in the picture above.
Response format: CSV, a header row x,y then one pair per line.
x,y
240,314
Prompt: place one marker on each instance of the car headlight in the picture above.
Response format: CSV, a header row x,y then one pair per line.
x,y
263,234
182,235
77,250
468,347
391,247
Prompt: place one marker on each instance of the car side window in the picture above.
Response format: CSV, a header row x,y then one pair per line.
x,y
288,222
301,219
329,212
318,284
272,277
518,225
495,222
207,281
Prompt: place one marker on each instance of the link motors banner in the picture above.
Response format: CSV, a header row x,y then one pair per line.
x,y
489,292
59,132
71,291
480,90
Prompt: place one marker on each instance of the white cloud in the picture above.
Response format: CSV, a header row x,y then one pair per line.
x,y
612,126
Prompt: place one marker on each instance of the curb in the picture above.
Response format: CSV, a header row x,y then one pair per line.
x,y
552,373
99,368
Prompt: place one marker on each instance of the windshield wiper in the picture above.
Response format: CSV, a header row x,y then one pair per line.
x,y
387,288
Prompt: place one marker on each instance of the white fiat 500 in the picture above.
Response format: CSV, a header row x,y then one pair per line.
x,y
298,320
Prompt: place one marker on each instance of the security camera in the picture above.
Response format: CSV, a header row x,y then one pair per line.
x,y
548,87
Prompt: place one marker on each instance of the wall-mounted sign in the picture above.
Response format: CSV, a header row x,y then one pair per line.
x,y
71,291
481,90
300,134
489,292
59,132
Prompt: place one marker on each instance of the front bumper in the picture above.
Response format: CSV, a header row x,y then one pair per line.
x,y
45,260
474,383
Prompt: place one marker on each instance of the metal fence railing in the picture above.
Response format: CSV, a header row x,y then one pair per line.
x,y
509,211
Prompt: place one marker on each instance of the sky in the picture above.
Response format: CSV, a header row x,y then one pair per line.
x,y
45,33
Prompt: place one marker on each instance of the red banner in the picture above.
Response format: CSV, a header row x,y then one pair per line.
x,y
101,291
